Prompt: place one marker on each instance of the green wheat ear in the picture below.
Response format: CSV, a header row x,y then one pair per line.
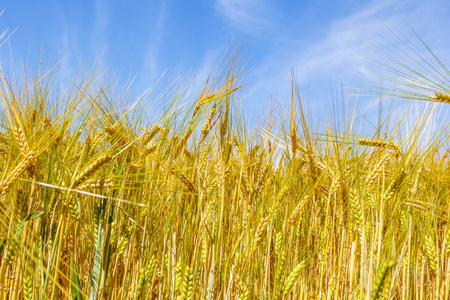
x,y
377,287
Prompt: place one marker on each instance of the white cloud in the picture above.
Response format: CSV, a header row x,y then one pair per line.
x,y
249,16
99,40
152,71
337,56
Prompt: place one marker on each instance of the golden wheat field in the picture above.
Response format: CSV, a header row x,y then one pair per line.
x,y
100,201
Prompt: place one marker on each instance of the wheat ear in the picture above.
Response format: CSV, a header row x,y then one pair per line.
x,y
21,140
92,168
394,187
375,172
262,226
5,186
380,278
447,241
293,277
188,183
356,208
430,249
379,144
151,134
444,98
207,125
96,184
187,288
298,209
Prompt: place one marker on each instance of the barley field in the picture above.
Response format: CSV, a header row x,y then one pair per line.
x,y
98,200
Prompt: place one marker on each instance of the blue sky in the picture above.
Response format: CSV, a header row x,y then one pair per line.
x,y
321,40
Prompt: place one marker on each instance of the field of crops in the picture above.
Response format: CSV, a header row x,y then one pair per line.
x,y
101,199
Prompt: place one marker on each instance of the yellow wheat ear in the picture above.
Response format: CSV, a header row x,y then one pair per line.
x,y
379,144
444,98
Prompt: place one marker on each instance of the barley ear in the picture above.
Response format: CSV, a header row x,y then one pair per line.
x,y
92,168
447,241
5,186
298,209
260,230
380,278
444,98
21,140
430,249
379,144
293,277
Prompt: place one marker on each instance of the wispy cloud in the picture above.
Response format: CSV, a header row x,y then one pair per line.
x,y
151,67
100,28
329,55
249,16
67,47
335,57
67,68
